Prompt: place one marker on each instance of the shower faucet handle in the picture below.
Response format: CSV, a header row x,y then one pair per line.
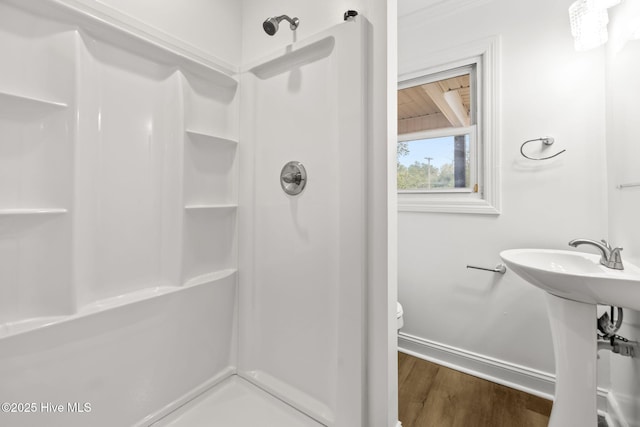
x,y
292,178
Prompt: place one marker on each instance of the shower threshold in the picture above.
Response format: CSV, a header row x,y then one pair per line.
x,y
238,403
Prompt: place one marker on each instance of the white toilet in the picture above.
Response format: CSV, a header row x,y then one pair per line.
x,y
400,314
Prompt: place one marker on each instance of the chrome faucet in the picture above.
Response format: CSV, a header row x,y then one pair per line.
x,y
610,257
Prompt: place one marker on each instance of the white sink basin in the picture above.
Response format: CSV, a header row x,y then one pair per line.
x,y
575,282
577,276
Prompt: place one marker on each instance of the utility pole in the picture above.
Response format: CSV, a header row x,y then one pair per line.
x,y
428,159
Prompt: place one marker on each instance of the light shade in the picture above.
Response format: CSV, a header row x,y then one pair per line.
x,y
589,19
605,4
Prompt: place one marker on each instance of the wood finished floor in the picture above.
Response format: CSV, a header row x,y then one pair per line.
x,y
431,395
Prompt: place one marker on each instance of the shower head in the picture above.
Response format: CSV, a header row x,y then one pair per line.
x,y
271,25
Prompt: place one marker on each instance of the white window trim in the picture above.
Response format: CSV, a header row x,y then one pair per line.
x,y
485,53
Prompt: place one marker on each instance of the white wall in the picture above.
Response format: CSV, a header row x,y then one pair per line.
x,y
623,151
547,89
212,26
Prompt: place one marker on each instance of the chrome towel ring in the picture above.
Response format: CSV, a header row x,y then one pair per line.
x,y
546,140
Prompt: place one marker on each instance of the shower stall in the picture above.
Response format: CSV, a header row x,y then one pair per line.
x,y
152,269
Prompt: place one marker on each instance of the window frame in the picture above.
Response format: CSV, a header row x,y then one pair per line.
x,y
437,66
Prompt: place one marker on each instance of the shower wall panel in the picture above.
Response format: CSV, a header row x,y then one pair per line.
x,y
131,363
303,263
118,205
128,151
118,164
36,163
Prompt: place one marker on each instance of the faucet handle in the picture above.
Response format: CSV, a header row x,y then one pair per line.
x,y
615,260
615,253
604,242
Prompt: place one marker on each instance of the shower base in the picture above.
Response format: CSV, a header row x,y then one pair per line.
x,y
236,402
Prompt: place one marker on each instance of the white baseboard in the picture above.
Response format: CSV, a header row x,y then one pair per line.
x,y
521,378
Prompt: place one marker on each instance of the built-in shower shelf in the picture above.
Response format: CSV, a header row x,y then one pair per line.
x,y
288,58
210,277
126,298
18,212
205,137
209,207
15,105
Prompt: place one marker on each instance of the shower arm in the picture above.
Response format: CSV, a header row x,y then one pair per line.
x,y
293,22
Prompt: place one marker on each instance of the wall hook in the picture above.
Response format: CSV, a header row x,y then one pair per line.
x,y
546,140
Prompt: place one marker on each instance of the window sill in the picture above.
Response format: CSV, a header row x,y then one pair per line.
x,y
443,205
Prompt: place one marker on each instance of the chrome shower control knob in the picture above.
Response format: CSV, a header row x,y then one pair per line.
x,y
293,178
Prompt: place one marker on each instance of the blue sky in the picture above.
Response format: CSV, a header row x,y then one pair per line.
x,y
440,149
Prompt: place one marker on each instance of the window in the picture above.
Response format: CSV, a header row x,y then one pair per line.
x,y
437,133
429,163
447,145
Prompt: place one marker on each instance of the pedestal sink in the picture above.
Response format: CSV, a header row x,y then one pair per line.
x,y
575,283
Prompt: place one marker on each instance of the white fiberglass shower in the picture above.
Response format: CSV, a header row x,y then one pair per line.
x,y
149,257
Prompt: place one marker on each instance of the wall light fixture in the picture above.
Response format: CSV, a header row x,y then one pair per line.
x,y
589,19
